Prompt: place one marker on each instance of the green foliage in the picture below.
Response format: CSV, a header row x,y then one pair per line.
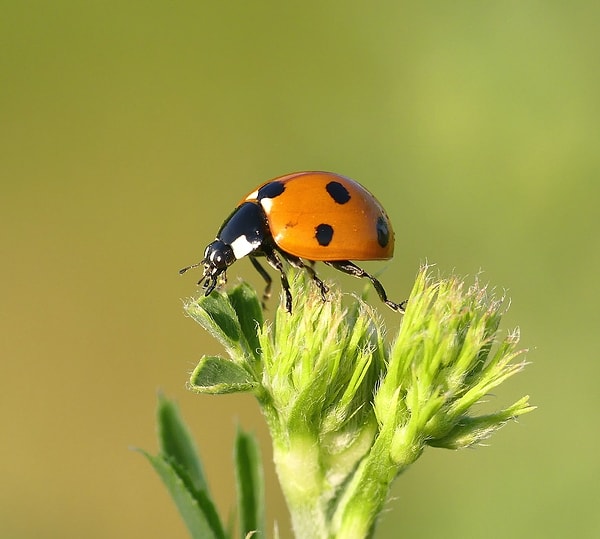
x,y
250,484
346,411
178,465
218,376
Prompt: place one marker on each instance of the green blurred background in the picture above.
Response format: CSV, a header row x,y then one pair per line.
x,y
129,130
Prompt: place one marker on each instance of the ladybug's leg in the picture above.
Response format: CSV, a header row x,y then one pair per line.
x,y
276,263
298,263
265,275
352,269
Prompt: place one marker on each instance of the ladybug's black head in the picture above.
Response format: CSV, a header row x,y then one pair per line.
x,y
242,233
218,256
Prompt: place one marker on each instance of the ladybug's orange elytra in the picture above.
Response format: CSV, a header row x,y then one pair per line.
x,y
354,224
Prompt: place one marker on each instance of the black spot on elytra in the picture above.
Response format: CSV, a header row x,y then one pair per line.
x,y
338,192
324,234
270,190
383,231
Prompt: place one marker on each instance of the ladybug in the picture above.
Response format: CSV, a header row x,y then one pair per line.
x,y
312,216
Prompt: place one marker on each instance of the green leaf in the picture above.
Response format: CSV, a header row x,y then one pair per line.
x,y
250,315
217,375
196,508
216,315
176,444
250,484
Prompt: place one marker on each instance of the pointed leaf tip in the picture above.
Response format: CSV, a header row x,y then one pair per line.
x,y
217,376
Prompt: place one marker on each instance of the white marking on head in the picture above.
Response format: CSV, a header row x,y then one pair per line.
x,y
253,195
242,247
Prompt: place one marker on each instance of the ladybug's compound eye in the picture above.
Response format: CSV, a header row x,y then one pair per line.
x,y
217,257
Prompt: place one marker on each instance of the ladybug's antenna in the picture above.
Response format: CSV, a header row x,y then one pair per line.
x,y
183,270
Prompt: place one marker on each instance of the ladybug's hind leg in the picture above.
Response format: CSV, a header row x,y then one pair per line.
x,y
352,269
268,280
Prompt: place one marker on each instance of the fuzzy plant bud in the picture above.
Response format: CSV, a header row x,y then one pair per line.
x,y
346,410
